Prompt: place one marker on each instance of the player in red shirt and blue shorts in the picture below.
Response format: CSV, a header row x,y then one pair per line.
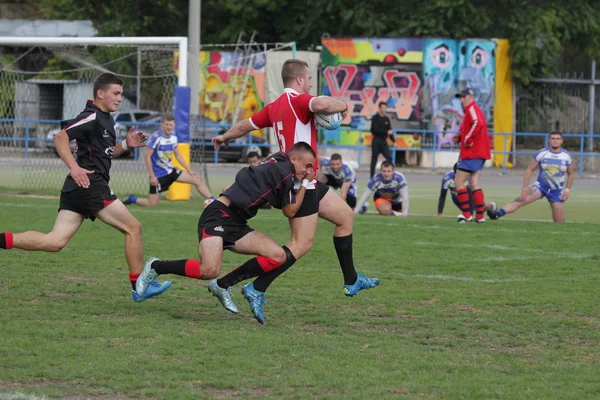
x,y
291,117
474,151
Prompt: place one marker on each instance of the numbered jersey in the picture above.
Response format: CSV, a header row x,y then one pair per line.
x,y
291,117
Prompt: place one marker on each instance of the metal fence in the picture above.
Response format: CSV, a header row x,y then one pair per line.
x,y
30,163
569,103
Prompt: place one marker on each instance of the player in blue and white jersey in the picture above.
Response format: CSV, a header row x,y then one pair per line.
x,y
390,192
554,181
449,185
339,175
162,146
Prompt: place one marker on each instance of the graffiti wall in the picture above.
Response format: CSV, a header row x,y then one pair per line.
x,y
417,78
365,72
230,83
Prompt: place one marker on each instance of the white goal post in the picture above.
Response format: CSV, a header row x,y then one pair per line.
x,y
180,41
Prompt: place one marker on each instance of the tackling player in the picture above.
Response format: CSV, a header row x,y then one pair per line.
x,y
224,225
291,117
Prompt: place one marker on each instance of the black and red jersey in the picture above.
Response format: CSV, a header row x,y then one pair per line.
x,y
94,131
272,181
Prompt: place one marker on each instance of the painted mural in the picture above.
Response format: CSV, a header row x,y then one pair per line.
x,y
222,85
365,72
417,78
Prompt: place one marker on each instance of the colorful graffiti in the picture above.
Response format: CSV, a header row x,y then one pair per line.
x,y
222,87
417,78
450,66
365,72
477,67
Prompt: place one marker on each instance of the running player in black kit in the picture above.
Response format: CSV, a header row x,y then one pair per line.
x,y
223,224
85,193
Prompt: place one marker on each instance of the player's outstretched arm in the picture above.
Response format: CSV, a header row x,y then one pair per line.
x,y
570,180
526,177
344,190
442,202
181,160
236,131
132,140
405,200
148,163
362,200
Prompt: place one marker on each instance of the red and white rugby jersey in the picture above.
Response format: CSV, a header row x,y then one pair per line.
x,y
291,117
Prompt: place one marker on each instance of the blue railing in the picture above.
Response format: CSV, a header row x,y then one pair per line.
x,y
429,140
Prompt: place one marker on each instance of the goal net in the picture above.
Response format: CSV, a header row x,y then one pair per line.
x,y
50,80
44,83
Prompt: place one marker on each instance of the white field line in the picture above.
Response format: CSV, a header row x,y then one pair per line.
x,y
380,223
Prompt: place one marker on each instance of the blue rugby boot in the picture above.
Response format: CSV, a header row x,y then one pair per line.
x,y
361,283
256,300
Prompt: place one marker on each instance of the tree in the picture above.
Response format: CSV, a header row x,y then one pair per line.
x,y
540,31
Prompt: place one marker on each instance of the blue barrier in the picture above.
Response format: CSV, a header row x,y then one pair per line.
x,y
206,129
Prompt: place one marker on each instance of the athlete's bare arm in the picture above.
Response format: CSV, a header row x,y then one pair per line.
x,y
329,105
79,175
238,130
526,177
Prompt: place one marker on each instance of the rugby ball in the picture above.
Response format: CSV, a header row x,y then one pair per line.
x,y
329,121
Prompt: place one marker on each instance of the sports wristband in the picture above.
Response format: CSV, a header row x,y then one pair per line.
x,y
305,183
124,144
567,190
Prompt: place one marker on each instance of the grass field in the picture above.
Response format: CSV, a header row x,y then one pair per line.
x,y
506,310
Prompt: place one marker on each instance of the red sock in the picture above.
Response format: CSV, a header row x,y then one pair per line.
x,y
267,264
6,240
132,279
192,269
479,203
463,202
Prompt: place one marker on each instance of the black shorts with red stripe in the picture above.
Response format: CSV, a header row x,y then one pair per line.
x,y
219,220
87,202
312,198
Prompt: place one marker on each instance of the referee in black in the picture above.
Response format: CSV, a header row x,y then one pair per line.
x,y
381,128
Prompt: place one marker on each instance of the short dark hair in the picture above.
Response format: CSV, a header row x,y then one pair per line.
x,y
253,154
556,133
382,103
386,164
167,117
336,156
291,69
103,81
302,147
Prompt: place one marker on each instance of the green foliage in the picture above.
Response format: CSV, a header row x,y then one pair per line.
x,y
540,32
